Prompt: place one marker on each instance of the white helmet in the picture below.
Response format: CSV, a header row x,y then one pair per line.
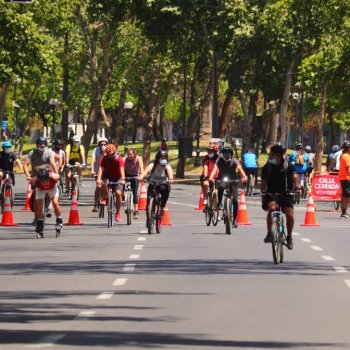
x,y
102,139
76,138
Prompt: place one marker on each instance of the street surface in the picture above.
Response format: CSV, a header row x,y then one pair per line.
x,y
190,287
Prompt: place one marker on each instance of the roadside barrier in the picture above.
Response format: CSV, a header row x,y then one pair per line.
x,y
7,217
310,215
242,216
74,212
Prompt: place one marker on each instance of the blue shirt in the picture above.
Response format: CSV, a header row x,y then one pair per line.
x,y
300,162
249,160
4,125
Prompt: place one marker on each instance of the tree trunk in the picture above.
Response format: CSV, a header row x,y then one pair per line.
x,y
273,121
247,129
253,107
3,94
223,121
319,128
283,118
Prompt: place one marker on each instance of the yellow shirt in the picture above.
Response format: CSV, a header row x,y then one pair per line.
x,y
75,152
344,167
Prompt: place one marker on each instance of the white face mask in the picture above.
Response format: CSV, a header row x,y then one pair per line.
x,y
42,149
163,162
272,161
210,155
7,150
103,148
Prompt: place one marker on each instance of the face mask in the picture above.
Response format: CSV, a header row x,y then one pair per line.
x,y
211,155
7,150
42,149
163,162
103,148
272,161
75,144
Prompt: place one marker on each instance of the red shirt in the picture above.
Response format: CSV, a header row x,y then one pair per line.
x,y
46,186
210,163
111,167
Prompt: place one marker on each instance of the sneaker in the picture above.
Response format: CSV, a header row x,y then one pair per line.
x,y
290,244
117,217
205,202
219,206
268,238
136,214
48,214
39,228
59,225
235,223
345,216
94,210
103,202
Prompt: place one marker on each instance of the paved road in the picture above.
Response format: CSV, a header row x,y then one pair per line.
x,y
191,287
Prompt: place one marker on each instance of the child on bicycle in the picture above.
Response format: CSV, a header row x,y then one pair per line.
x,y
227,167
160,170
278,176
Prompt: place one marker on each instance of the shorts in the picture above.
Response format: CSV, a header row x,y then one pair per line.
x,y
286,201
40,194
117,187
253,171
345,185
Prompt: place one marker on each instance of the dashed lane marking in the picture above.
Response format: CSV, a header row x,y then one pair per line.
x,y
315,247
46,342
306,240
340,269
138,247
347,283
296,234
105,296
85,314
129,267
120,282
142,238
327,258
134,256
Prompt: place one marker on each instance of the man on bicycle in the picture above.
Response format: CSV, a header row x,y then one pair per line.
x,y
96,157
160,170
301,160
278,176
250,164
208,164
112,169
75,153
227,168
7,160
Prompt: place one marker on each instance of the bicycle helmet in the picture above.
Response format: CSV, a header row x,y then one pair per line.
x,y
111,149
61,141
278,149
227,150
43,175
6,144
307,149
55,142
213,147
163,139
102,139
335,148
161,154
41,139
346,145
299,146
75,138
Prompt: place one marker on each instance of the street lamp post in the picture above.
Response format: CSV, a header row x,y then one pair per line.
x,y
197,161
15,109
54,103
127,106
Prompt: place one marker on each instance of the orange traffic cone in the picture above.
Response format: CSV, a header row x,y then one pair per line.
x,y
74,212
7,217
143,197
29,194
166,218
310,216
242,216
200,203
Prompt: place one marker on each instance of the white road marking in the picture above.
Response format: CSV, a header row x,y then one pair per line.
x,y
134,256
307,240
296,234
187,205
105,295
327,258
315,247
46,342
347,283
120,282
142,238
340,269
129,267
138,247
85,314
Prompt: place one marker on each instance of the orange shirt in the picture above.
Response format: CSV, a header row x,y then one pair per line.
x,y
344,167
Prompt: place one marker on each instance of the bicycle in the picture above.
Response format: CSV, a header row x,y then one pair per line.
x,y
6,186
228,209
112,202
154,211
278,230
129,199
211,215
74,180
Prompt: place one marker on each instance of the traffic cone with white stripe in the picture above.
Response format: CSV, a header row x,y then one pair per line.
x,y
29,194
201,206
74,212
143,197
242,216
7,217
310,216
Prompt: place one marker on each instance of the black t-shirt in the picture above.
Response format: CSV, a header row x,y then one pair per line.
x,y
275,177
227,168
7,160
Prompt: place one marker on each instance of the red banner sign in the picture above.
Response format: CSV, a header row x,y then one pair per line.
x,y
326,187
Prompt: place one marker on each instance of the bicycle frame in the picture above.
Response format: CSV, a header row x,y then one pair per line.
x,y
111,209
129,199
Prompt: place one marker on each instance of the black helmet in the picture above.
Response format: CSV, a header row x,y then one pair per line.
x,y
160,154
299,146
307,149
41,139
55,142
227,150
43,175
346,145
278,149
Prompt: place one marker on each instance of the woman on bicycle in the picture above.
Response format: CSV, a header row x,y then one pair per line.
x,y
160,170
133,166
208,164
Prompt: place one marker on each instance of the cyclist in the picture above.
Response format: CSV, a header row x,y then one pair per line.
x,y
59,155
112,169
344,177
160,170
208,164
4,128
45,181
279,176
163,145
227,167
334,161
97,154
300,159
250,164
133,166
7,160
310,166
75,153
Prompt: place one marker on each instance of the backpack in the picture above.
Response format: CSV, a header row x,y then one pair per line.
x,y
300,159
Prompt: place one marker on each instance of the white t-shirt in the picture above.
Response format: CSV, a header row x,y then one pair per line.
x,y
336,156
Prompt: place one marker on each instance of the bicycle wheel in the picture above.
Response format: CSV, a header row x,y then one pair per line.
x,y
158,219
228,216
111,208
151,215
215,211
128,201
277,246
208,214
